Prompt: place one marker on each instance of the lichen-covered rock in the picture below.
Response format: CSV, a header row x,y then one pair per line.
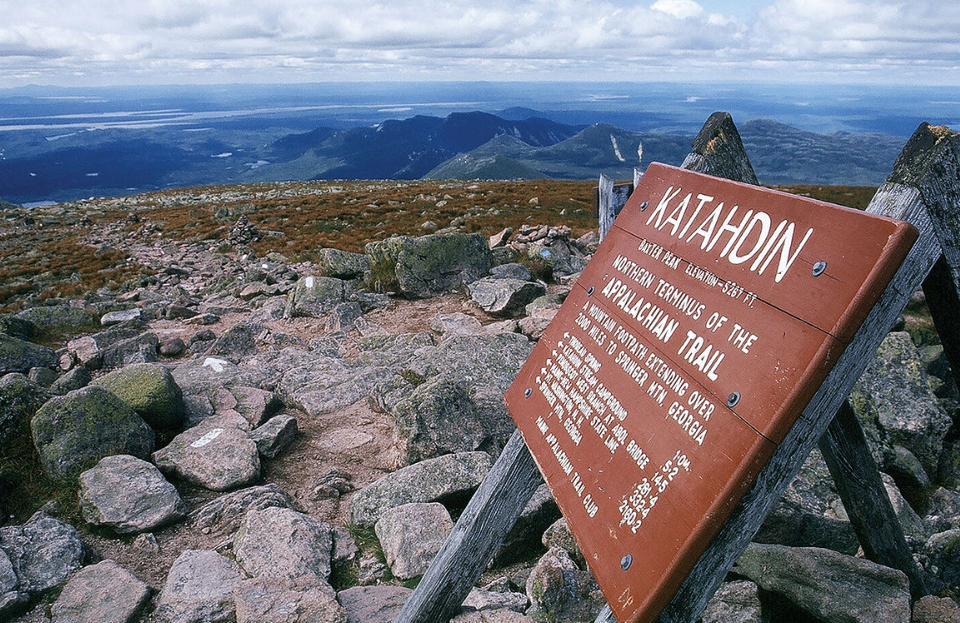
x,y
942,556
140,349
314,296
43,552
72,380
829,585
445,477
18,355
129,496
150,390
342,264
73,432
411,535
894,400
735,602
505,297
275,436
19,400
12,599
237,342
276,600
199,589
560,591
101,592
17,327
211,456
56,320
279,542
429,265
437,418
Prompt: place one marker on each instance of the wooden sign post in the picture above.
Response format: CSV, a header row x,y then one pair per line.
x,y
925,183
697,334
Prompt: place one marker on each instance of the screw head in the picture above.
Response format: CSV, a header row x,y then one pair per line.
x,y
626,561
733,399
643,206
528,393
590,291
818,268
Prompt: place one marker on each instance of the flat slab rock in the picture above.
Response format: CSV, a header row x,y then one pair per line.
x,y
199,587
128,495
43,552
280,542
411,535
274,600
84,599
211,456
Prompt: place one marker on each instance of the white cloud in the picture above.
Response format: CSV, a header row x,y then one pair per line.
x,y
237,40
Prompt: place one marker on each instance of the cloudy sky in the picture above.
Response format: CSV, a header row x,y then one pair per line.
x,y
103,42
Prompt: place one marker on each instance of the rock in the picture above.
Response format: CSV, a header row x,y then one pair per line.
x,y
319,384
559,535
278,542
42,376
894,400
911,523
18,355
140,349
254,404
84,599
211,456
275,436
244,232
43,552
501,238
274,600
17,327
538,514
345,546
75,431
735,602
125,315
342,264
129,496
238,342
19,400
501,615
411,535
429,265
560,591
333,483
438,418
223,515
505,297
392,351
445,477
199,589
482,600
12,600
86,352
940,553
344,316
74,379
172,347
944,508
150,390
52,321
373,604
511,271
932,609
827,584
456,323
314,297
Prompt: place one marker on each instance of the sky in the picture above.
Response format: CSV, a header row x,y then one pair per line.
x,y
132,42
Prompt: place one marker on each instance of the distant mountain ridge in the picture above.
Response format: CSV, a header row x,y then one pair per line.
x,y
473,145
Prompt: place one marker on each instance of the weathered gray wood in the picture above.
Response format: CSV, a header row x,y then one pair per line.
x,y
854,471
476,537
899,197
718,151
611,198
606,616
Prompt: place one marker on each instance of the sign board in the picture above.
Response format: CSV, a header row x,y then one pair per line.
x,y
693,340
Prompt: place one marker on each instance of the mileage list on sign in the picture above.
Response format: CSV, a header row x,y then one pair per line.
x,y
690,344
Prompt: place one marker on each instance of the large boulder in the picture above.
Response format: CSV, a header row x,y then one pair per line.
x,y
433,480
73,432
84,599
199,589
56,320
128,495
735,602
320,384
43,552
279,542
19,400
18,355
560,591
411,535
342,264
505,297
894,400
429,265
238,342
829,585
437,418
276,600
152,392
211,456
314,297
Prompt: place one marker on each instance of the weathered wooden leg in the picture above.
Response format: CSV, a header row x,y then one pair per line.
x,y
475,539
854,471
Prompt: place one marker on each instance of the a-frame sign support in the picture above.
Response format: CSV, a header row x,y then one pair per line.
x,y
922,190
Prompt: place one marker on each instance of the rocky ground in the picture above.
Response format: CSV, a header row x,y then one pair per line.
x,y
233,437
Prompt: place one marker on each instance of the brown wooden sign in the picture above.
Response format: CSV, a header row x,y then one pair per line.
x,y
697,334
